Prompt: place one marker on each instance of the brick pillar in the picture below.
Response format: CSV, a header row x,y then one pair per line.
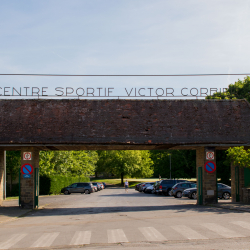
x,y
233,183
209,182
28,184
1,175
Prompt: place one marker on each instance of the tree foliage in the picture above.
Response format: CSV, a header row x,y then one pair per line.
x,y
239,156
130,163
13,164
238,90
223,167
70,163
183,163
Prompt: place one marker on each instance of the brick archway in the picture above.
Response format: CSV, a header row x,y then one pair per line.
x,y
122,124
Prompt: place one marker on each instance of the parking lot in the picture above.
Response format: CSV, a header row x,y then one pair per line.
x,y
112,216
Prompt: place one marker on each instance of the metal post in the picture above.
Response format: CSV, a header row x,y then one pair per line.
x,y
19,187
237,183
4,176
170,165
200,187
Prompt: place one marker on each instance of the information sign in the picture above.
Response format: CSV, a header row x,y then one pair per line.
x,y
27,156
209,155
210,167
27,170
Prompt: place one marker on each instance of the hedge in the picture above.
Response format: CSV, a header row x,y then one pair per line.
x,y
54,184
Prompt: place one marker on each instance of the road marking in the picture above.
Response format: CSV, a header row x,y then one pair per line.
x,y
81,238
227,233
242,224
12,241
151,234
116,235
45,240
188,232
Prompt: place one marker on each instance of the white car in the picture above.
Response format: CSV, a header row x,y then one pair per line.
x,y
149,189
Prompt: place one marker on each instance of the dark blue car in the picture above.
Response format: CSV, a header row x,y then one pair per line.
x,y
224,192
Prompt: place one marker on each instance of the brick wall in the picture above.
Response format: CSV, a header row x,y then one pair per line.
x,y
123,122
233,183
27,184
208,179
246,195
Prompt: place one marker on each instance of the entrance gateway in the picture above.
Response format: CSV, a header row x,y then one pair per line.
x,y
201,125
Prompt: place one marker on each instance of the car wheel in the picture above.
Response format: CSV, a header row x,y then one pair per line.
x,y
226,196
194,195
87,191
179,194
66,192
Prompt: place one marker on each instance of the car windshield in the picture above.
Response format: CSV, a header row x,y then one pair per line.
x,y
193,185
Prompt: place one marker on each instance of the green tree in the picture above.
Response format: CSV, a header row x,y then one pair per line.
x,y
130,163
239,156
183,163
71,163
223,167
238,90
13,164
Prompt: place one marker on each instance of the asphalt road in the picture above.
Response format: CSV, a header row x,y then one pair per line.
x,y
113,219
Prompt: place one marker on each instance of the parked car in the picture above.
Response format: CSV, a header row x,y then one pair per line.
x,y
144,185
104,184
191,193
165,186
137,186
81,187
178,188
149,189
97,185
224,192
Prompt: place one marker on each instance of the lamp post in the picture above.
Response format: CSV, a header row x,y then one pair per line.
x,y
170,164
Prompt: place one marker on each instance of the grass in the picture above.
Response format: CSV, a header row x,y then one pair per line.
x,y
107,181
12,198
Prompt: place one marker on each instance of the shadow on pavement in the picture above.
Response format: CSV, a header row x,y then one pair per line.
x,y
7,213
118,209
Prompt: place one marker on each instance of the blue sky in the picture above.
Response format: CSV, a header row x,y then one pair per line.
x,y
124,37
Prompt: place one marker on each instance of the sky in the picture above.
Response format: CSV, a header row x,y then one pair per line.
x,y
112,37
